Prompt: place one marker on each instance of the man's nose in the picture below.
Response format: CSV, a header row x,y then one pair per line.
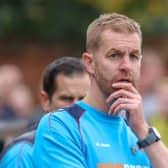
x,y
125,64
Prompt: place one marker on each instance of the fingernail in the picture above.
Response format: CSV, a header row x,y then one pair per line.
x,y
114,84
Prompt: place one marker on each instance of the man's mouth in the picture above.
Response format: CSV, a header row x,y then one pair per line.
x,y
125,80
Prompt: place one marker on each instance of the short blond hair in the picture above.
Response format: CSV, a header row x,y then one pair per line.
x,y
116,22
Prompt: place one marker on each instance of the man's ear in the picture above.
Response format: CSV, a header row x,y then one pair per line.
x,y
45,101
88,61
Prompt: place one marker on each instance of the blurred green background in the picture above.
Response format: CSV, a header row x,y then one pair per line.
x,y
66,20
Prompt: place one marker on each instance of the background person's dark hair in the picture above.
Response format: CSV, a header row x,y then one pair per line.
x,y
67,66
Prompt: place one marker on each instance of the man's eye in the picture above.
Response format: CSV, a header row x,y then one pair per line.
x,y
115,55
134,56
80,98
66,98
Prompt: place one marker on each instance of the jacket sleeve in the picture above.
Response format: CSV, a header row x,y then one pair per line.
x,y
19,155
58,143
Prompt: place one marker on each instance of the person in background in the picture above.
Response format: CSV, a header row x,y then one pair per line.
x,y
16,102
10,77
160,119
90,133
22,101
153,69
65,81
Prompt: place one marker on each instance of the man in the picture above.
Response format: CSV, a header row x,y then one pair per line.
x,y
153,70
90,133
65,81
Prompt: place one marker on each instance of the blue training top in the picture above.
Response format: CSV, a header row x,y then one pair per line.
x,y
81,136
18,153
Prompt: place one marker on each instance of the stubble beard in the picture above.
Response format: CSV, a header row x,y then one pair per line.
x,y
105,84
106,88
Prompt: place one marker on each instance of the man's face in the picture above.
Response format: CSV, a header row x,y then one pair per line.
x,y
69,90
118,58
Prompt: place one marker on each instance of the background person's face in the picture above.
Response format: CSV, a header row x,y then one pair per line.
x,y
69,90
117,59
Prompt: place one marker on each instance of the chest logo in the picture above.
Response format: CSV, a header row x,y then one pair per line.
x,y
103,145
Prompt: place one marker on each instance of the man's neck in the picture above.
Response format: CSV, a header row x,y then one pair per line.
x,y
96,99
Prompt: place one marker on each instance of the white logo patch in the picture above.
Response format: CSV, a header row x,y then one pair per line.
x,y
103,145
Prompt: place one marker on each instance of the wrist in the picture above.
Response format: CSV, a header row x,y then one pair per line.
x,y
142,131
152,137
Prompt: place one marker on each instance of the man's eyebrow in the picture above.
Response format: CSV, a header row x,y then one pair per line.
x,y
113,50
136,51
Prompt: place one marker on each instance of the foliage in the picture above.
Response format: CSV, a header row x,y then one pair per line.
x,y
151,14
51,20
57,20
